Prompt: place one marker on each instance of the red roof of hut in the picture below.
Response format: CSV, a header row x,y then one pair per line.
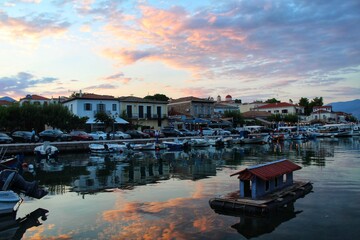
x,y
267,171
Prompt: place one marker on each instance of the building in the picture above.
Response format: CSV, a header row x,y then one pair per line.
x,y
196,107
89,104
246,107
5,103
263,179
146,112
325,114
282,108
35,99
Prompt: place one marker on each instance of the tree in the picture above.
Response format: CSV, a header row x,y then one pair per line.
x,y
272,100
237,117
104,118
304,102
157,97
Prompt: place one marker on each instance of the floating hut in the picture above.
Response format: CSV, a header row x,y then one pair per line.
x,y
263,188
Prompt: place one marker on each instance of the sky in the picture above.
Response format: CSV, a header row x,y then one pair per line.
x,y
250,49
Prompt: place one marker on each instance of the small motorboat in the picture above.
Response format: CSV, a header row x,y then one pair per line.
x,y
199,142
176,144
46,151
109,148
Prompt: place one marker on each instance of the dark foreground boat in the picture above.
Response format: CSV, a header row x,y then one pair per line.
x,y
263,188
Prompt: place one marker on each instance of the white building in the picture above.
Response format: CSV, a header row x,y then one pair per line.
x,y
88,105
281,108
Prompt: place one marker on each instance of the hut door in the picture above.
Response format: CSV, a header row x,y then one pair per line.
x,y
247,188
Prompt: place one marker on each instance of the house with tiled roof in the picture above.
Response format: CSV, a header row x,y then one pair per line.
x,y
327,115
89,104
35,99
146,112
281,108
5,103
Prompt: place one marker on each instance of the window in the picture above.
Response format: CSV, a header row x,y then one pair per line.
x,y
276,182
101,107
129,111
284,178
141,111
148,111
284,111
158,111
114,107
87,107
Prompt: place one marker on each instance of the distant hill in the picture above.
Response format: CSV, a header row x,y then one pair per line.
x,y
352,107
9,99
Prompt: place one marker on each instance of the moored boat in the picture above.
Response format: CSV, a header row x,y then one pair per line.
x,y
46,151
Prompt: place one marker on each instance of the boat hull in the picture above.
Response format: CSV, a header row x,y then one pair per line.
x,y
9,201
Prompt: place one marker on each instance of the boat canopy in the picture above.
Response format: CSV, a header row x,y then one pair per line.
x,y
267,171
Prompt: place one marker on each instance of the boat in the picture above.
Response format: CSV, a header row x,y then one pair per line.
x,y
264,188
199,142
46,151
109,148
255,139
9,202
335,130
177,144
147,146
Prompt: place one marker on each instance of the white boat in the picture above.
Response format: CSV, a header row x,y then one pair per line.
x,y
199,142
147,146
46,151
9,201
108,148
176,144
255,139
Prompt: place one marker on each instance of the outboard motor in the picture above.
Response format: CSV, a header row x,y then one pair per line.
x,y
12,180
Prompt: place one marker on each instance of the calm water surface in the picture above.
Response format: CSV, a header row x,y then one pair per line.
x,y
165,195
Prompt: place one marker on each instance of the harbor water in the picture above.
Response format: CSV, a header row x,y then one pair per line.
x,y
164,195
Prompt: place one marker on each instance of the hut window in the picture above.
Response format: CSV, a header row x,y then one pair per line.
x,y
284,178
267,185
276,182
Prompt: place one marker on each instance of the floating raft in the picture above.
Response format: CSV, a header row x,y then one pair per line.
x,y
233,203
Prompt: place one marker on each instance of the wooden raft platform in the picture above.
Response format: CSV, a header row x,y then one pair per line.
x,y
232,202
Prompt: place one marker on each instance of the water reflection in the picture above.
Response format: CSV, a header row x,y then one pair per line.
x,y
12,228
87,173
163,193
252,227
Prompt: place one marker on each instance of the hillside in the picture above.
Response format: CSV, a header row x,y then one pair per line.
x,y
352,107
9,99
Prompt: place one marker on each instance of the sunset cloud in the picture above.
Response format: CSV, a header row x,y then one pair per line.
x,y
251,45
31,26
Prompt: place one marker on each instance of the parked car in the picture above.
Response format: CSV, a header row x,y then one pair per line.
x,y
98,135
120,135
232,130
4,138
171,132
81,136
54,135
151,132
220,131
207,131
23,136
137,134
187,132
